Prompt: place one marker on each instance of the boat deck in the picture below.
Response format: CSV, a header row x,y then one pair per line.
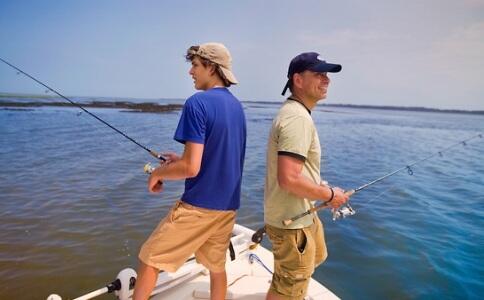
x,y
246,276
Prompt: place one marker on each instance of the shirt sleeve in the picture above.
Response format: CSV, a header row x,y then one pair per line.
x,y
192,124
295,137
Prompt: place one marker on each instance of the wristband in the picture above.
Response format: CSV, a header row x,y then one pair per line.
x,y
332,195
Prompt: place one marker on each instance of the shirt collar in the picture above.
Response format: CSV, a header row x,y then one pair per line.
x,y
297,100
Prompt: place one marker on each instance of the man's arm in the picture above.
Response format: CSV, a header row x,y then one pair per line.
x,y
291,179
186,167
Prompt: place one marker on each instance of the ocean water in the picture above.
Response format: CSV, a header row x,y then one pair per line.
x,y
74,207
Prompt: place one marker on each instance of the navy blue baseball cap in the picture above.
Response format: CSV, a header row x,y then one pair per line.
x,y
309,61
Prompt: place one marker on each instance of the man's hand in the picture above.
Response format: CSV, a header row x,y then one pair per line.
x,y
170,158
339,198
155,183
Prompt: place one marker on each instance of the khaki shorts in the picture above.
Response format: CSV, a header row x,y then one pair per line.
x,y
297,252
188,229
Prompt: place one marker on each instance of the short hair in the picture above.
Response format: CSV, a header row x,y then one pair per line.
x,y
190,56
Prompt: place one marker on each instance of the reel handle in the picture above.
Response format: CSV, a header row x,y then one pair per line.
x,y
148,169
157,155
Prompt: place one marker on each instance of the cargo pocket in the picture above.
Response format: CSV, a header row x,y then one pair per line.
x,y
294,283
301,282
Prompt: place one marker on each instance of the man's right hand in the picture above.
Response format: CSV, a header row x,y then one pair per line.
x,y
170,157
339,198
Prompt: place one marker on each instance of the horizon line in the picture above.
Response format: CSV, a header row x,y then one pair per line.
x,y
349,105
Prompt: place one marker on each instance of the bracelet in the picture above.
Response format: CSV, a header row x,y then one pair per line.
x,y
332,195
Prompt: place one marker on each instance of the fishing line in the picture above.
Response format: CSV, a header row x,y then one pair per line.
x,y
409,166
153,153
380,195
347,210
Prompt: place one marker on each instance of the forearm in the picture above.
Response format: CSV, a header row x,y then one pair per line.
x,y
303,187
177,170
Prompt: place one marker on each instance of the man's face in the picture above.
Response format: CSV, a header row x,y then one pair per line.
x,y
200,74
315,85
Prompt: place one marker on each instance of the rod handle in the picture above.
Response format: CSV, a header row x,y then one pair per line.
x,y
157,155
309,211
287,222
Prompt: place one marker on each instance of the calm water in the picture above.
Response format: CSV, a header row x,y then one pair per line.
x,y
74,206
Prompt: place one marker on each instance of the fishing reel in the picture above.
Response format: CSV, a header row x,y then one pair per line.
x,y
148,168
343,212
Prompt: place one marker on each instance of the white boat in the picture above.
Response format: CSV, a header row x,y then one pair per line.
x,y
248,277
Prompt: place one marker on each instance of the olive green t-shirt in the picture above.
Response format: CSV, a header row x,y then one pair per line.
x,y
292,133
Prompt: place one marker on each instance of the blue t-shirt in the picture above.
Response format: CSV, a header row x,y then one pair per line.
x,y
216,119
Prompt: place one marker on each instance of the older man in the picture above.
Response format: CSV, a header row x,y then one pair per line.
x,y
293,180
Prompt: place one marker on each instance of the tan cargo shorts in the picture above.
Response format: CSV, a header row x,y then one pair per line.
x,y
297,252
188,229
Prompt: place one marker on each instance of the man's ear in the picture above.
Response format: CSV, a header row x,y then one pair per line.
x,y
296,80
213,69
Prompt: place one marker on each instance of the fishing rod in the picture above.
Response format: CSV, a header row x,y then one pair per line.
x,y
153,153
347,210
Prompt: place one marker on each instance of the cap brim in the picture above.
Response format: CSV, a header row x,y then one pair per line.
x,y
323,67
229,75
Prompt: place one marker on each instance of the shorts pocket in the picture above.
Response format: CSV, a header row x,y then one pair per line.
x,y
301,241
293,283
175,211
306,248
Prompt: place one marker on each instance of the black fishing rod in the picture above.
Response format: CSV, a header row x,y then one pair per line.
x,y
347,210
153,153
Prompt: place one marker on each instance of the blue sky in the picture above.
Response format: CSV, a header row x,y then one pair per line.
x,y
407,53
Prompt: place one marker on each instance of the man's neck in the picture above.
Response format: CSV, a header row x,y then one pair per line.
x,y
216,82
308,103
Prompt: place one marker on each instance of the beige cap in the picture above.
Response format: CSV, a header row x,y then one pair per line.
x,y
219,54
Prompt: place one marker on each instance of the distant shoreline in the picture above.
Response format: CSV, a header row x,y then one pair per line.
x,y
404,108
146,107
157,108
410,108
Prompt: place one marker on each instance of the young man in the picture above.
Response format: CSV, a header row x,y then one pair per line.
x,y
293,180
212,127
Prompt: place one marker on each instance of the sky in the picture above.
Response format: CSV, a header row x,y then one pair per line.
x,y
427,53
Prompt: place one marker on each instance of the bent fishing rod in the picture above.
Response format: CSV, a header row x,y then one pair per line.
x,y
347,210
153,153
